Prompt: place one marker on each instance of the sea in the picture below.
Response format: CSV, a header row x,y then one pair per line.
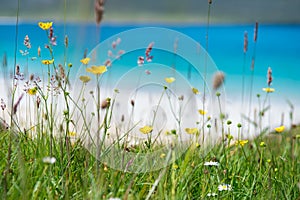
x,y
143,55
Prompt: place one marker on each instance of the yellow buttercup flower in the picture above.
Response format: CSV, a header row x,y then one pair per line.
x,y
241,142
85,61
47,62
72,134
146,129
97,69
32,91
85,79
268,90
191,130
280,129
45,25
170,79
195,91
202,112
262,144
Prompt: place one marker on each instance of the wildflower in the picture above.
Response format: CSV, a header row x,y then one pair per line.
x,y
148,51
269,160
27,42
255,31
279,129
99,10
241,142
85,79
245,41
15,107
114,198
195,90
66,41
72,134
38,102
45,25
270,78
2,105
49,160
85,61
47,62
191,130
218,80
53,41
170,79
268,90
212,194
162,155
224,187
107,63
105,103
97,69
202,112
148,72
175,166
115,43
24,53
141,60
146,129
39,51
211,163
32,91
229,136
262,144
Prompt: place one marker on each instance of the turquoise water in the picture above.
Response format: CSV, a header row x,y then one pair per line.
x,y
278,47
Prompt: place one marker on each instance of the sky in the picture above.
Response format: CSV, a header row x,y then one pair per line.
x,y
195,11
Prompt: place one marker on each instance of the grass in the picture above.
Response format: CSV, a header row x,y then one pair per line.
x,y
46,156
253,171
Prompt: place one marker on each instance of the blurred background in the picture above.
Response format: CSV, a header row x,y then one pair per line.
x,y
193,11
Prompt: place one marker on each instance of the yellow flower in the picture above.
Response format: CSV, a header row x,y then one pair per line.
x,y
202,112
47,62
97,69
241,142
229,136
262,144
32,91
85,61
162,155
280,129
45,25
170,79
175,166
85,79
268,90
195,90
191,130
72,134
146,129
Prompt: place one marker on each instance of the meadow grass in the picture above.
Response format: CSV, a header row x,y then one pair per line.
x,y
45,157
254,171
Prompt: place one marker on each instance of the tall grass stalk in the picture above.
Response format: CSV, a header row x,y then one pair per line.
x,y
8,156
252,71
